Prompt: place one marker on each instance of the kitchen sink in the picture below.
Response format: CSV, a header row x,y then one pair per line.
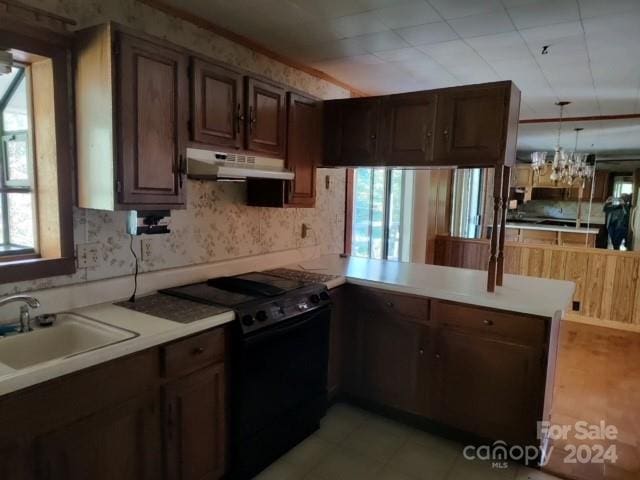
x,y
70,335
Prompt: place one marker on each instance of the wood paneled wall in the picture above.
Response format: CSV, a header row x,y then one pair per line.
x,y
607,281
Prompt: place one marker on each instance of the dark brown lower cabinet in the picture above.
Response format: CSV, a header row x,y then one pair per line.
x,y
121,443
159,414
195,425
486,386
390,358
478,370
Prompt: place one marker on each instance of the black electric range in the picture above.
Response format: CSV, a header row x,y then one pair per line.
x,y
280,355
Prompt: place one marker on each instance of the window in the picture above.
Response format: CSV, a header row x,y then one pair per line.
x,y
467,203
382,213
17,199
622,185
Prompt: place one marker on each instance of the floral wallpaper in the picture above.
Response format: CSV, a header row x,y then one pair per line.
x,y
216,225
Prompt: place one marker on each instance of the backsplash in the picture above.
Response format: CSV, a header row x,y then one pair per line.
x,y
562,209
216,224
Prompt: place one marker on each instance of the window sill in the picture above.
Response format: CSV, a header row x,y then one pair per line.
x,y
32,269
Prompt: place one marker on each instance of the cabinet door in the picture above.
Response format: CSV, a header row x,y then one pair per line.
x,y
16,459
195,425
122,443
390,358
266,118
409,121
351,132
471,126
152,106
487,386
522,177
217,111
304,138
336,344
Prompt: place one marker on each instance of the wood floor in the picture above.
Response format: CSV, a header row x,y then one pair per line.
x,y
598,379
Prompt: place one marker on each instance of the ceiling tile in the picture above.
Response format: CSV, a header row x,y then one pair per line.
x,y
308,33
347,47
464,8
504,46
537,37
330,8
452,54
544,13
355,25
483,24
613,24
565,51
594,8
408,15
409,54
427,34
382,41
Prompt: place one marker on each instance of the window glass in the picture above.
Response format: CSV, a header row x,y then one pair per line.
x,y
20,219
17,157
15,116
381,226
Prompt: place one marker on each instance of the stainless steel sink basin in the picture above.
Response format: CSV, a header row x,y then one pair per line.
x,y
70,335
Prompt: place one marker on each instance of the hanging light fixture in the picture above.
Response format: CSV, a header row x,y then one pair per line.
x,y
539,162
578,166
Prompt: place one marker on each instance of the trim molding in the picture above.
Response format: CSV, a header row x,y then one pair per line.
x,y
247,42
582,119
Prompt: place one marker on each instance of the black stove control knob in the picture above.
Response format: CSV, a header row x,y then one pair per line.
x,y
324,296
315,299
261,315
247,320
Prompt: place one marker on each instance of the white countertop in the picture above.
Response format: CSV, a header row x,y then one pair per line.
x,y
543,297
552,228
152,331
535,296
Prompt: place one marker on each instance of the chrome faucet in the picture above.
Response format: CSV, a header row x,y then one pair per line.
x,y
25,317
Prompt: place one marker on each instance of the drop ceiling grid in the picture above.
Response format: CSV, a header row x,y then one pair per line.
x,y
386,46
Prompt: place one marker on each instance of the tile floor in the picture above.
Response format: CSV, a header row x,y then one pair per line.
x,y
353,444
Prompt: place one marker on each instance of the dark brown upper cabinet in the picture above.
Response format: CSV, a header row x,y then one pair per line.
x,y
217,105
153,88
131,116
469,126
266,118
351,132
304,147
409,123
473,124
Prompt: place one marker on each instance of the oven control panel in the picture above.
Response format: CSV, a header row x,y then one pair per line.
x,y
266,313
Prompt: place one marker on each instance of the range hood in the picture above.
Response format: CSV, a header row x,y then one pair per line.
x,y
233,167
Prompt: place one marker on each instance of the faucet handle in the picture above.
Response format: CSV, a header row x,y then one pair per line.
x,y
25,319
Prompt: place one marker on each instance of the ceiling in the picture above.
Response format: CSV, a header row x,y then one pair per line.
x,y
390,46
608,139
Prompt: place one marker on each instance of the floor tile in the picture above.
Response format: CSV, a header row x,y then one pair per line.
x,y
279,471
340,421
531,474
341,465
480,470
308,454
422,461
372,441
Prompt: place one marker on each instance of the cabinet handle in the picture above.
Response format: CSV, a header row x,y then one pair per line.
x,y
389,304
446,132
252,119
198,351
437,356
373,136
181,169
429,134
421,351
239,119
488,322
170,420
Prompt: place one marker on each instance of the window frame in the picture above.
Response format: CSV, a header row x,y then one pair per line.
x,y
30,42
7,186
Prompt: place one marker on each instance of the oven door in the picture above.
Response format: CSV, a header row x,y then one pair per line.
x,y
279,371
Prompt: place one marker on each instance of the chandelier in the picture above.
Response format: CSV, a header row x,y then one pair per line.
x,y
566,168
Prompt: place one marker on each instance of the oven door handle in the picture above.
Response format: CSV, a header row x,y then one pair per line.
x,y
259,337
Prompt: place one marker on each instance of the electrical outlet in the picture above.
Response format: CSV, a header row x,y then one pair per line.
x,y
87,255
146,249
